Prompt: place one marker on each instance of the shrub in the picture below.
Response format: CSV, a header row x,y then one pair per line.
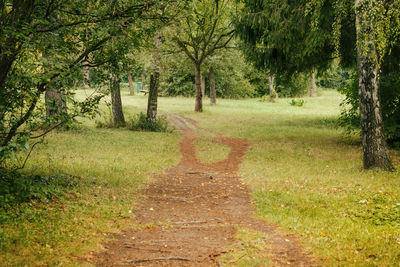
x,y
297,103
269,98
140,122
390,103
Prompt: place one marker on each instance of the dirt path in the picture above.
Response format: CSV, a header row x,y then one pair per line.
x,y
189,214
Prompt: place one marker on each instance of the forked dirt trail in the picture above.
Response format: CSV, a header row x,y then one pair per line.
x,y
190,214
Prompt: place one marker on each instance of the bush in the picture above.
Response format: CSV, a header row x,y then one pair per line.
x,y
140,122
390,104
297,103
269,98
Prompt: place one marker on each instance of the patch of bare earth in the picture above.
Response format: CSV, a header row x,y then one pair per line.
x,y
190,214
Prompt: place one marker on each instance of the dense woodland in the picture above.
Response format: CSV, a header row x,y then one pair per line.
x,y
205,50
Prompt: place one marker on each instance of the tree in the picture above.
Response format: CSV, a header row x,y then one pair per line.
x,y
313,86
375,150
279,35
154,79
213,93
43,47
300,35
130,81
116,102
271,84
203,30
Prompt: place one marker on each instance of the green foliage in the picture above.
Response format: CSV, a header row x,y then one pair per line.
x,y
204,28
269,98
334,77
294,85
141,122
179,78
278,36
264,98
390,104
297,102
350,115
45,44
257,79
232,76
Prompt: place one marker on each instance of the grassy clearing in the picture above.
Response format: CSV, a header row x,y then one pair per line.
x,y
109,166
304,174
308,177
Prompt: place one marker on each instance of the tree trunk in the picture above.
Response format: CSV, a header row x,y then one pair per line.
x,y
271,84
116,102
131,89
313,86
143,79
203,85
154,79
272,93
86,77
199,99
375,150
213,94
55,103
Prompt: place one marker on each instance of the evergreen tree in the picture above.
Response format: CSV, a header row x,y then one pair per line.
x,y
289,36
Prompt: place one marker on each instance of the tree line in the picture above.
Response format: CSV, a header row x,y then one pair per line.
x,y
48,46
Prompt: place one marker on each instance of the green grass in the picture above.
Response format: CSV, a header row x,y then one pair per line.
x,y
110,167
305,176
248,251
208,149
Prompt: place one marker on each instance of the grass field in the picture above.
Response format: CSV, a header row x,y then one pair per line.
x,y
305,176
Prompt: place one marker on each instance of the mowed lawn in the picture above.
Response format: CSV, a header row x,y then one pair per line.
x,y
305,175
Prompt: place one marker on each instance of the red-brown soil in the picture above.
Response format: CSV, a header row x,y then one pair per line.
x,y
189,214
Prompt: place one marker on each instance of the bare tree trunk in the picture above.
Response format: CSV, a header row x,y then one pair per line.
x,y
375,150
271,84
203,85
213,94
131,89
143,79
154,79
199,99
86,77
313,86
55,103
116,102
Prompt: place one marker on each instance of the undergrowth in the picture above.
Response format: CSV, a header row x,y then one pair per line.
x,y
297,102
140,122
